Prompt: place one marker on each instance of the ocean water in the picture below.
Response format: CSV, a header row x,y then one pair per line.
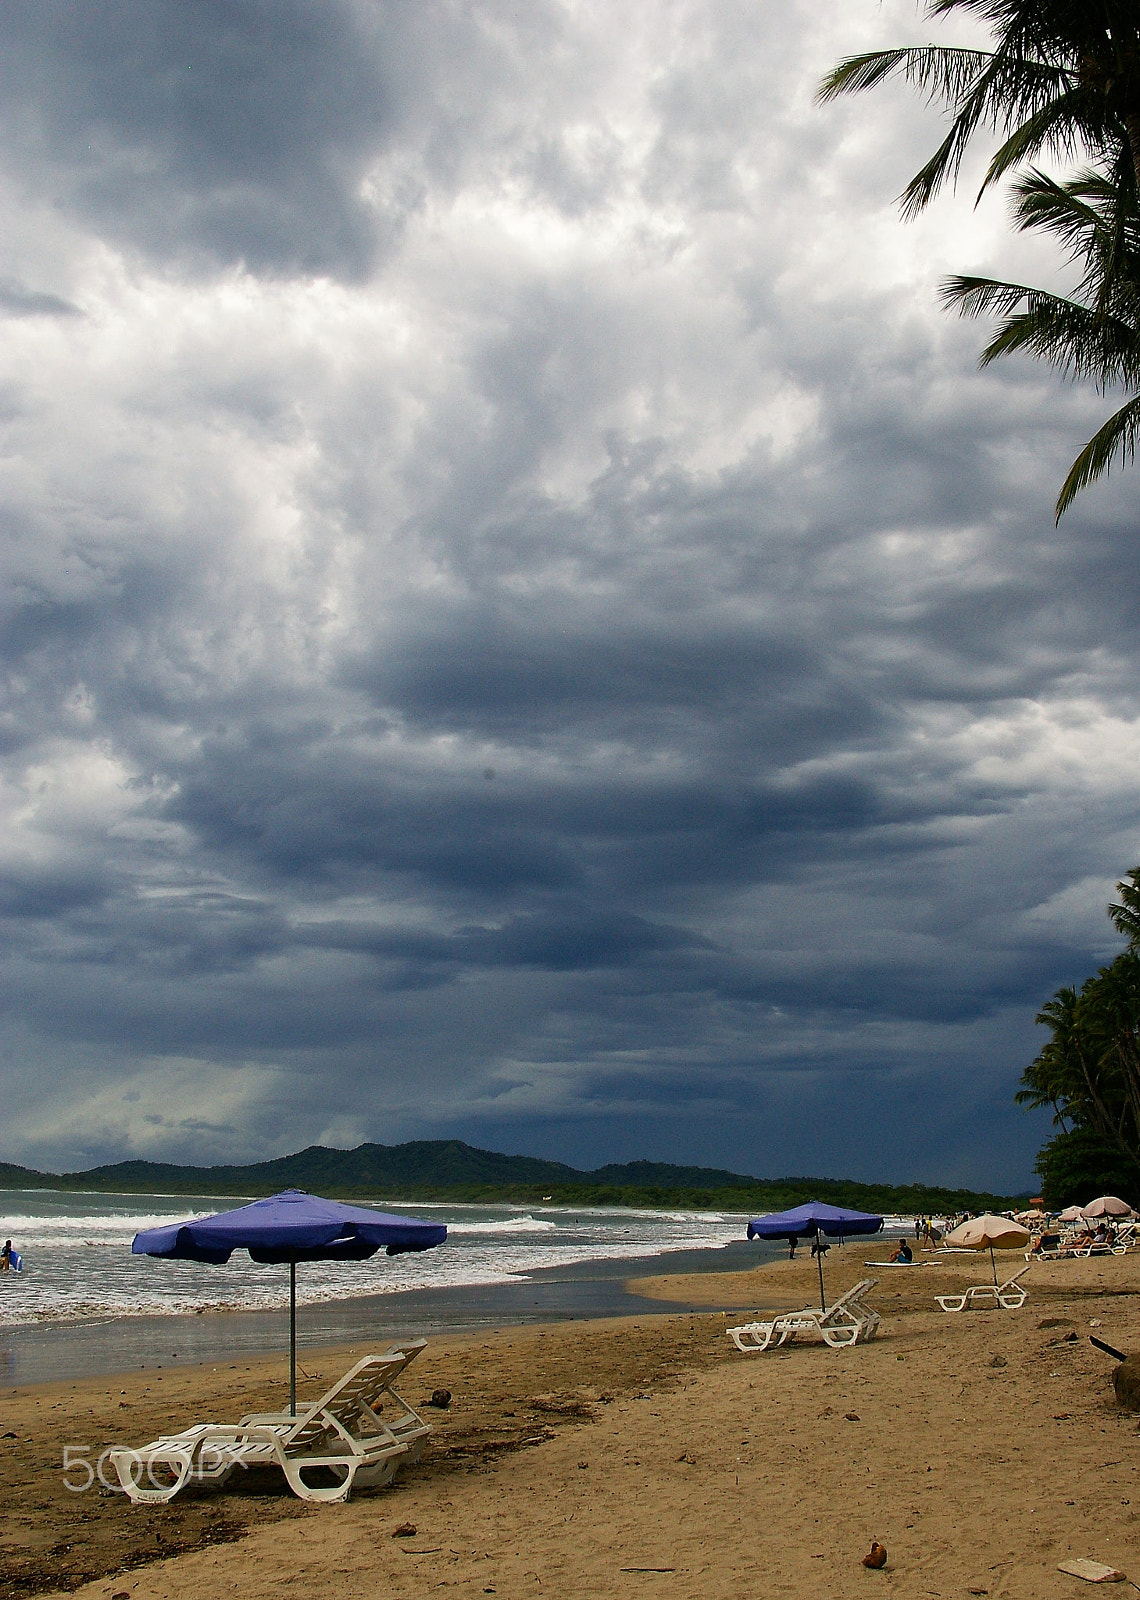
x,y
78,1263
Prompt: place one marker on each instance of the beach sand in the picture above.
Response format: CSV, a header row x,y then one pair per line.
x,y
646,1457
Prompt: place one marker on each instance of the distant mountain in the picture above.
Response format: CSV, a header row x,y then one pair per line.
x,y
435,1163
660,1175
449,1169
21,1177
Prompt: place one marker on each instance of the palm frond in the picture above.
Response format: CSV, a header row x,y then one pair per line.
x,y
940,72
1071,210
1080,341
1117,436
1125,913
1098,227
975,297
1000,96
1062,125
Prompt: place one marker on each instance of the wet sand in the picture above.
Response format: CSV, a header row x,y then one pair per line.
x,y
645,1456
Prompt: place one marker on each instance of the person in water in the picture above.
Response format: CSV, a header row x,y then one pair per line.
x,y
6,1256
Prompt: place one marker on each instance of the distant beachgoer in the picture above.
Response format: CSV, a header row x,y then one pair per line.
x,y
6,1256
792,1242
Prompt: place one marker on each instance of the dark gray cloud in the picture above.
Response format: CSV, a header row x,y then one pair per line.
x,y
240,131
518,617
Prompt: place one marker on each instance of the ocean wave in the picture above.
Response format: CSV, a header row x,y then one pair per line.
x,y
78,1263
504,1225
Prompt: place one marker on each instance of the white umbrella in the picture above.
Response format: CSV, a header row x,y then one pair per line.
x,y
1071,1214
1106,1206
989,1232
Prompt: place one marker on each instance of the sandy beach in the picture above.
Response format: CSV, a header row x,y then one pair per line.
x,y
646,1457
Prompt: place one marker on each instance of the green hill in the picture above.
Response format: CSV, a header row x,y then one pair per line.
x,y
448,1169
22,1177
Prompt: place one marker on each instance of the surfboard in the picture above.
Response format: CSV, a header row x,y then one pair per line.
x,y
16,1262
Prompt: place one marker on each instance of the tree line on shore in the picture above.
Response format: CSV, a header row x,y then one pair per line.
x,y
1089,1073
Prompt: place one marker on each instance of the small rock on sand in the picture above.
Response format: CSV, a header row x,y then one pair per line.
x,y
1126,1382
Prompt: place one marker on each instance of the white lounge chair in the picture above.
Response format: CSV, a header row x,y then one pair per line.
x,y
342,1434
848,1321
1071,1252
1007,1296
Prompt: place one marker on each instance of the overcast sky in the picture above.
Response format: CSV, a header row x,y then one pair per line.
x,y
521,619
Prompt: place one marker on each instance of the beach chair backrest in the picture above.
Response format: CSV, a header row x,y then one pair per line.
x,y
361,1388
365,1399
851,1299
313,1421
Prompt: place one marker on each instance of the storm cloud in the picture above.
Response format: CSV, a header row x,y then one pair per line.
x,y
519,617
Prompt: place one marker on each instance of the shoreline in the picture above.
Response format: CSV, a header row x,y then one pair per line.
x,y
50,1350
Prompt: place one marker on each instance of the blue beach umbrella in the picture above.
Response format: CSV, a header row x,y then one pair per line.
x,y
806,1222
290,1227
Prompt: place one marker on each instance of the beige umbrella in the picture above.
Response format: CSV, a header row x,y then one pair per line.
x,y
988,1231
1106,1206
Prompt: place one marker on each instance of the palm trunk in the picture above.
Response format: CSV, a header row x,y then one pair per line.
x,y
1132,125
1129,1058
1102,1119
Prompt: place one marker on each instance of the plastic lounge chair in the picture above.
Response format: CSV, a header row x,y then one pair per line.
x,y
1007,1296
408,1427
1070,1252
846,1322
341,1434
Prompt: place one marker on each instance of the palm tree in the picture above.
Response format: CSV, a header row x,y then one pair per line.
x,y
1089,1071
1094,334
1125,913
1063,77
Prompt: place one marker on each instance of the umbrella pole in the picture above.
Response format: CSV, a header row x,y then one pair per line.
x,y
819,1263
293,1335
993,1264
